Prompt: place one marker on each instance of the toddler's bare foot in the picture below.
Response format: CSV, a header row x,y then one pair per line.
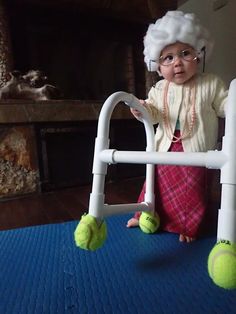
x,y
183,238
133,222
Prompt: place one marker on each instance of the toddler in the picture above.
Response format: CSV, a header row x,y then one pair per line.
x,y
186,105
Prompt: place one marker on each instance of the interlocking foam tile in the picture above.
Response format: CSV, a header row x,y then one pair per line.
x,y
31,270
42,271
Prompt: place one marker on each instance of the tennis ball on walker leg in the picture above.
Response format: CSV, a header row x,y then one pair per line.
x,y
222,264
149,222
90,234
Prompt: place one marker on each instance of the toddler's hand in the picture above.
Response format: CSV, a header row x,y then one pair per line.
x,y
137,114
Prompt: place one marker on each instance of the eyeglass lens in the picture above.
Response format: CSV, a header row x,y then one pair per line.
x,y
187,55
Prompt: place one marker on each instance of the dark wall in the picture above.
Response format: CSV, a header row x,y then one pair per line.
x,y
83,53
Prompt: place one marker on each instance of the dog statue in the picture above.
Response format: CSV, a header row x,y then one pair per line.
x,y
31,85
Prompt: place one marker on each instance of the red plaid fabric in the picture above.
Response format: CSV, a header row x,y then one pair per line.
x,y
180,196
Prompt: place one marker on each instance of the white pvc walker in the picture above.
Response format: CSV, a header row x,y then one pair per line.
x,y
225,160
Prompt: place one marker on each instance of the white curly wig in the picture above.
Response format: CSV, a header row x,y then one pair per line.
x,y
175,26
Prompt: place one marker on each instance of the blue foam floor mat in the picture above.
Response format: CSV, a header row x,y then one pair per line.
x,y
42,271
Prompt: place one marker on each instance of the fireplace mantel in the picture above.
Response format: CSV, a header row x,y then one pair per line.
x,y
19,111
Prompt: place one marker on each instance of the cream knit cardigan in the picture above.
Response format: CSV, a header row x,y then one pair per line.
x,y
211,96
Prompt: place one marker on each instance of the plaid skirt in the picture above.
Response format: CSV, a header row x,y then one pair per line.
x,y
181,196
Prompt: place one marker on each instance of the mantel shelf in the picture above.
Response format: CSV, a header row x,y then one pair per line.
x,y
25,111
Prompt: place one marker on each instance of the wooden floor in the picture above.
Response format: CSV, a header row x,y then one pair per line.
x,y
62,205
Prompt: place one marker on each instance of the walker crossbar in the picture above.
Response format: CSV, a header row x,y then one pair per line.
x,y
225,160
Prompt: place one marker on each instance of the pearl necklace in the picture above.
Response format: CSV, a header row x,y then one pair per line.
x,y
188,127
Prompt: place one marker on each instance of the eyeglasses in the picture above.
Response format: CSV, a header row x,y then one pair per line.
x,y
187,55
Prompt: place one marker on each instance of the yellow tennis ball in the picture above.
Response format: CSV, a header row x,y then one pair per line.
x,y
222,264
89,233
149,222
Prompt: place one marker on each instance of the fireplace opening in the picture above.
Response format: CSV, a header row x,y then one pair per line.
x,y
66,151
65,154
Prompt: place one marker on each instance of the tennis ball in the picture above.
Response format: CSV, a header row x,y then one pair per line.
x,y
222,264
90,234
149,222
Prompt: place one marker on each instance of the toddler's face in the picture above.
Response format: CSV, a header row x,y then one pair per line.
x,y
178,63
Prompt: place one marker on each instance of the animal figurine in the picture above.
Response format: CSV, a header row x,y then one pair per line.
x,y
28,86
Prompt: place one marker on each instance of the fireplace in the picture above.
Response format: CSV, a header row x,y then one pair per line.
x,y
88,49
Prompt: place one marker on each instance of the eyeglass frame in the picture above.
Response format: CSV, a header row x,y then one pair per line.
x,y
180,55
